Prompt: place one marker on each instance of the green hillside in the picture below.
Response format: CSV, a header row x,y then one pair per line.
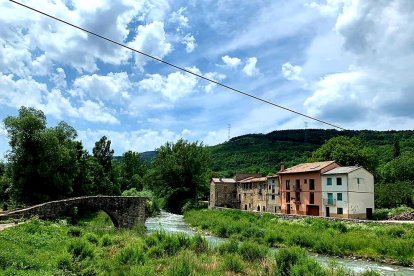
x,y
264,152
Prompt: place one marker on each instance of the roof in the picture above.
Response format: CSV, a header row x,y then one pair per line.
x,y
273,176
254,179
307,167
223,180
342,170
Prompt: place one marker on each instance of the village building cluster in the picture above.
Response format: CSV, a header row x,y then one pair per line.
x,y
316,189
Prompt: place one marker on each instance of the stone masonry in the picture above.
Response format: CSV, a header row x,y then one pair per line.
x,y
124,211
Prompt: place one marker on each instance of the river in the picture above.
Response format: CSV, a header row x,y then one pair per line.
x,y
172,223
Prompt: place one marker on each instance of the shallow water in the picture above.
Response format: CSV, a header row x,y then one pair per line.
x,y
172,223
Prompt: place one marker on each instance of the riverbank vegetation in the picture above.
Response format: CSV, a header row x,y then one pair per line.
x,y
93,247
380,242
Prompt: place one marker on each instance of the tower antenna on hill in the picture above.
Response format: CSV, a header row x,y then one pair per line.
x,y
228,132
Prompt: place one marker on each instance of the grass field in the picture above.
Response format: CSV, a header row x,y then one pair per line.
x,y
387,243
93,247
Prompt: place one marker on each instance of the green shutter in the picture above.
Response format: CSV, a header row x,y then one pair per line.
x,y
329,183
339,196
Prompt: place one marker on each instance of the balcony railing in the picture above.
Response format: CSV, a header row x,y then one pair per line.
x,y
328,201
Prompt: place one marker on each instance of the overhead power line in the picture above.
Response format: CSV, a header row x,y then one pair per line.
x,y
177,67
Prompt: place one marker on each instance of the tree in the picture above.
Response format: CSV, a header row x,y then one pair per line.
x,y
399,169
396,148
131,171
347,152
180,173
104,179
42,160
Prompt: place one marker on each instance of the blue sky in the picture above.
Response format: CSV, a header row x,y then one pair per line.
x,y
345,61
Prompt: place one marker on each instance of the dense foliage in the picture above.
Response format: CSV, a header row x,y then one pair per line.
x,y
94,247
381,242
180,173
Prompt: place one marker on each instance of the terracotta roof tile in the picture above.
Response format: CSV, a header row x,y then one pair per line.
x,y
307,167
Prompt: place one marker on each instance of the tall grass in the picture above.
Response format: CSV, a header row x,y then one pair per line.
x,y
390,243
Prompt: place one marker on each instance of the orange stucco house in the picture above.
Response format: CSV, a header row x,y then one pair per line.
x,y
301,188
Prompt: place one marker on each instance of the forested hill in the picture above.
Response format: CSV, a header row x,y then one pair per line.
x,y
264,152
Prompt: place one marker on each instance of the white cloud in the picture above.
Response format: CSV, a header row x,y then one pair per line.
x,y
377,83
190,43
95,112
250,68
232,62
214,76
59,78
291,72
136,140
173,86
150,39
113,87
179,18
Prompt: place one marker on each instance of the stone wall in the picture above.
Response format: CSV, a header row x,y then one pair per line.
x,y
124,212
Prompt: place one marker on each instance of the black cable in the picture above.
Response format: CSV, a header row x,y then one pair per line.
x,y
176,66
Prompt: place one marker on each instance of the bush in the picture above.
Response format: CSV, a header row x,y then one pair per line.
x,y
74,232
251,251
92,238
81,250
131,255
106,240
231,246
233,263
181,266
287,258
381,214
199,244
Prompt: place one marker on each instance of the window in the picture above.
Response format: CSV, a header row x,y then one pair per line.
x,y
329,181
273,181
311,184
273,197
305,181
288,197
239,197
298,197
298,183
330,198
312,198
270,187
287,184
340,211
263,208
258,207
338,181
358,180
245,207
339,196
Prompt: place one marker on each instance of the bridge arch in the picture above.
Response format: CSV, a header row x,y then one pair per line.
x,y
124,211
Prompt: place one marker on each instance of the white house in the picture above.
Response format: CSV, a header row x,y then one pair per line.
x,y
348,192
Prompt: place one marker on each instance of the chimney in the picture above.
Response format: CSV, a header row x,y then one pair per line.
x,y
282,167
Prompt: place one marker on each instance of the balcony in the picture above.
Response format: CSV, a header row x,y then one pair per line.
x,y
329,201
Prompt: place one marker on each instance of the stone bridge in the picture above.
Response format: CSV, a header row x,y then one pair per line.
x,y
124,211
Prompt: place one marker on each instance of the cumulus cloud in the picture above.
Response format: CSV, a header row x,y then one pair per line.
x,y
173,86
151,39
95,112
377,81
179,18
59,78
113,87
214,76
190,43
231,61
291,72
137,140
250,68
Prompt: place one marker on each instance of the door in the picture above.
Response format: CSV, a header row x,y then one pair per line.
x,y
369,213
288,209
327,212
312,210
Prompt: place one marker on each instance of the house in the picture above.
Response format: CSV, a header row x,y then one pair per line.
x,y
348,192
273,193
301,189
252,193
223,191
